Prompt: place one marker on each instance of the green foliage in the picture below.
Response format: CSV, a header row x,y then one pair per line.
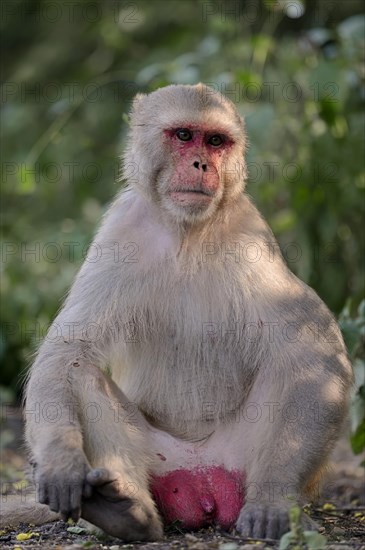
x,y
353,330
7,436
297,539
69,80
75,530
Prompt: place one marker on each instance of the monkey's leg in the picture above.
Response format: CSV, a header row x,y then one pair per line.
x,y
24,508
288,445
116,443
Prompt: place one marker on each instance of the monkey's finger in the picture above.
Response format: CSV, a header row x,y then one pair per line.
x,y
87,490
245,525
42,493
283,526
70,502
65,515
259,521
53,501
99,476
64,501
273,525
110,485
75,513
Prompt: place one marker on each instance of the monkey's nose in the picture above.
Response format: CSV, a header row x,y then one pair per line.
x,y
197,165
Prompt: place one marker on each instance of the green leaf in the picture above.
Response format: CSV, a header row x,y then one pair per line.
x,y
228,546
76,530
314,540
361,309
26,181
286,540
358,439
351,334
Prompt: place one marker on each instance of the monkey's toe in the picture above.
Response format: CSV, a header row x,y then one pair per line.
x,y
113,507
263,521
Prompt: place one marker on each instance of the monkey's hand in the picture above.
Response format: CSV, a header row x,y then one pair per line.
x,y
120,508
269,521
62,483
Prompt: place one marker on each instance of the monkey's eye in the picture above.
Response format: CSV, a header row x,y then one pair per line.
x,y
184,135
216,140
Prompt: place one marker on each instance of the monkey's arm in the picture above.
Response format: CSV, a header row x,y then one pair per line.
x,y
80,336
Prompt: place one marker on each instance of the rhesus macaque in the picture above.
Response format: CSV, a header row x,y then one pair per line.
x,y
190,375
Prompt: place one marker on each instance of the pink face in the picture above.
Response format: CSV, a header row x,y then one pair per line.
x,y
198,154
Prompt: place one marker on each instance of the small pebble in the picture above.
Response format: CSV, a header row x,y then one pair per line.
x,y
190,537
338,531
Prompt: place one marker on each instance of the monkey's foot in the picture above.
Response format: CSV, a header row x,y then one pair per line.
x,y
268,521
200,497
119,508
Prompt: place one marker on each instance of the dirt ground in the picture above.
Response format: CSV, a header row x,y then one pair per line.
x,y
340,512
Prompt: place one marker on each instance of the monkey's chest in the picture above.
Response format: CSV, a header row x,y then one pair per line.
x,y
180,394
187,359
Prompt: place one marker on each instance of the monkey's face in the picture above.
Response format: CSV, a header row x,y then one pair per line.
x,y
191,183
188,144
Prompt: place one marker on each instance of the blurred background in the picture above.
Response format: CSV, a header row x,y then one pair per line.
x,y
295,70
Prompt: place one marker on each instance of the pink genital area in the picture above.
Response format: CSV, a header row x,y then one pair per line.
x,y
200,497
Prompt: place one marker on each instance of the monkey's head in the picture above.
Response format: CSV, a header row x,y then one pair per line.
x,y
186,151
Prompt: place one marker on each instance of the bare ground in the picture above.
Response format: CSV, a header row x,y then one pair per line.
x,y
340,511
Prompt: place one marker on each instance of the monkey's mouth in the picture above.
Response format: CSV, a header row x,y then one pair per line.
x,y
189,197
